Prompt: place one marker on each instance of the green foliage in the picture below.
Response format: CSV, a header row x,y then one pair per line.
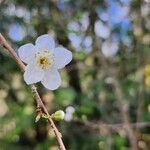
x,y
88,93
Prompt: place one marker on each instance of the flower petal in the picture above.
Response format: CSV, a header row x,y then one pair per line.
x,y
45,41
62,57
33,74
26,52
51,79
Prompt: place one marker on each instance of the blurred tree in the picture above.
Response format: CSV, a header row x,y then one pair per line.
x,y
104,84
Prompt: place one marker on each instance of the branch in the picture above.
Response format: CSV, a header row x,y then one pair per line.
x,y
141,97
40,105
124,111
99,125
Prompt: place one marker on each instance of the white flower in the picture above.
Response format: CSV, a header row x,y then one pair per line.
x,y
43,61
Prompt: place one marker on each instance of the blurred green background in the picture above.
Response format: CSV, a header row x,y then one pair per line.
x,y
106,84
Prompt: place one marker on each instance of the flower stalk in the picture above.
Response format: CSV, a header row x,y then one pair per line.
x,y
40,105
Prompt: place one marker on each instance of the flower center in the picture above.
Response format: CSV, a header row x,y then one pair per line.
x,y
44,59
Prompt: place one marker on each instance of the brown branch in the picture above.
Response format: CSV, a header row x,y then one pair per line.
x,y
39,102
99,125
124,111
141,97
2,1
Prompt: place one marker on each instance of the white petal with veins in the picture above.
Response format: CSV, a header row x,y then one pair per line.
x,y
26,52
32,74
45,42
62,57
51,79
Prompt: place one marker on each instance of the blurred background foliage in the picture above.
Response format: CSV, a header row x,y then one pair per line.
x,y
108,78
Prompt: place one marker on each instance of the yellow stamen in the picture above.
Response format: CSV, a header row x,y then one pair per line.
x,y
44,59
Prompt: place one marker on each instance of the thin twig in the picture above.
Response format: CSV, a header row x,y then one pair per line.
x,y
124,110
2,1
39,102
121,101
99,125
141,97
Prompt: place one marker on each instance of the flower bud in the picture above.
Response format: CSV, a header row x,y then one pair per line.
x,y
58,115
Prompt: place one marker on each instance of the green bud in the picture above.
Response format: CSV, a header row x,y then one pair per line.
x,y
58,115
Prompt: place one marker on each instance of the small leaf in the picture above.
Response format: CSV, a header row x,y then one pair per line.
x,y
37,118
